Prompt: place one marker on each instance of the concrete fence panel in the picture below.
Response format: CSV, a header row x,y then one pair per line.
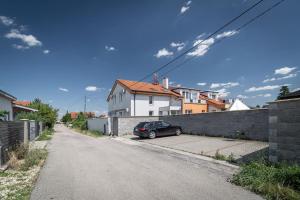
x,y
99,124
284,133
249,124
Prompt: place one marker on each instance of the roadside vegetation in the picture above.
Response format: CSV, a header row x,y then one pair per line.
x,y
219,156
46,113
46,135
16,183
80,124
273,181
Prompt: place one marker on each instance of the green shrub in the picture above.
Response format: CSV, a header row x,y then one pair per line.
x,y
273,181
34,157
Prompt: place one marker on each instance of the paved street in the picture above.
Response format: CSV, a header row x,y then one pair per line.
x,y
81,167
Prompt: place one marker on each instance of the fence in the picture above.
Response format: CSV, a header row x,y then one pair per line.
x,y
100,124
284,133
16,132
250,124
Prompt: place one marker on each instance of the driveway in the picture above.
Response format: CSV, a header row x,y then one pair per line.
x,y
204,145
81,167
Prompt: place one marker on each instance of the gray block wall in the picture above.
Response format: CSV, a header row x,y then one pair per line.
x,y
248,124
126,124
284,133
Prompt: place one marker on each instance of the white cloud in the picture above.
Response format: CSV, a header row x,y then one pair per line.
x,y
242,96
46,51
288,76
186,7
6,20
110,48
163,53
179,45
223,92
269,80
201,84
226,34
296,89
202,47
284,70
93,88
280,78
268,87
21,47
225,85
29,40
63,89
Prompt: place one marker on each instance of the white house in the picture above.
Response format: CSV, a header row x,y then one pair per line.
x,y
6,104
132,98
238,105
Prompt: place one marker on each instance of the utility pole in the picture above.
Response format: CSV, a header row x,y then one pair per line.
x,y
84,110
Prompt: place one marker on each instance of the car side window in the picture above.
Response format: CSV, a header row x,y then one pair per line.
x,y
158,124
164,124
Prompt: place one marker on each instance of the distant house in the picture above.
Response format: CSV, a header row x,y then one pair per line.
x,y
238,105
191,100
6,104
132,98
74,115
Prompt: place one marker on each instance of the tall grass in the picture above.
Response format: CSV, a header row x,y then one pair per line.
x,y
281,181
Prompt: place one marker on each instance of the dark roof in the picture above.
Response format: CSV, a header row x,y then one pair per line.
x,y
7,95
291,95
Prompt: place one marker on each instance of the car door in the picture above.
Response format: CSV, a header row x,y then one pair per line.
x,y
160,129
168,129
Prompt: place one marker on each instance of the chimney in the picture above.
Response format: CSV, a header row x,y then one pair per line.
x,y
165,82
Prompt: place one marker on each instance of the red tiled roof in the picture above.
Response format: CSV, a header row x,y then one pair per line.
x,y
22,103
213,102
145,88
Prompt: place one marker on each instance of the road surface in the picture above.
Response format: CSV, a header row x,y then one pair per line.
x,y
84,168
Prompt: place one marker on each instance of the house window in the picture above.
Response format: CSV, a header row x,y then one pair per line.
x,y
114,99
150,113
160,113
188,111
203,110
150,100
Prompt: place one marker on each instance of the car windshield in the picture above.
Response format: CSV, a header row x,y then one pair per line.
x,y
142,125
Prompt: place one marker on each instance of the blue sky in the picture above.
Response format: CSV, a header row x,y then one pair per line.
x,y
61,51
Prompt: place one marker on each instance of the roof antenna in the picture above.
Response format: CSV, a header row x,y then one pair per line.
x,y
155,79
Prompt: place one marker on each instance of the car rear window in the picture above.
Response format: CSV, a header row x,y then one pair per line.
x,y
142,125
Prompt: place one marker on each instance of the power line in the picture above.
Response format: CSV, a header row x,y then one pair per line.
x,y
220,40
192,48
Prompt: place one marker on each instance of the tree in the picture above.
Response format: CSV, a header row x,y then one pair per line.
x,y
66,118
284,90
46,113
80,122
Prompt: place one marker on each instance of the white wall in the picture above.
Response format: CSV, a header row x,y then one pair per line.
x,y
213,109
142,106
6,104
98,125
124,104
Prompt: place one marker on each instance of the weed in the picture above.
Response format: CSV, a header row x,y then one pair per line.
x,y
279,181
219,156
34,157
46,135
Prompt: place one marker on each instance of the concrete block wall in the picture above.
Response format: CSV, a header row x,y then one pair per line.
x,y
250,124
126,124
284,132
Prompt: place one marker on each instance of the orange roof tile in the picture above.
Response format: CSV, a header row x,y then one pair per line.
x,y
145,88
22,103
213,102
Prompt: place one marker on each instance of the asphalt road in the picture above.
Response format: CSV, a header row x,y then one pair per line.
x,y
80,167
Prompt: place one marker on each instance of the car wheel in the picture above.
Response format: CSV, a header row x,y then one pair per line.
x,y
152,135
178,132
